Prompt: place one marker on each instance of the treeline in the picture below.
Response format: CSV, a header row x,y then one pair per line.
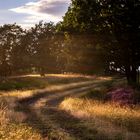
x,y
94,36
44,49
24,51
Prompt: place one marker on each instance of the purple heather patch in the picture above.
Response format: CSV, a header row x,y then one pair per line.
x,y
122,96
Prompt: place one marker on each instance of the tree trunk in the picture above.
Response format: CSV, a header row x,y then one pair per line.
x,y
134,74
138,76
127,73
131,74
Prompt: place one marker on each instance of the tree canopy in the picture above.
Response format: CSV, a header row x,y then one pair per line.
x,y
117,26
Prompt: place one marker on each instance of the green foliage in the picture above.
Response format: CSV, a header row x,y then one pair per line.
x,y
22,84
121,21
82,16
116,25
40,45
10,40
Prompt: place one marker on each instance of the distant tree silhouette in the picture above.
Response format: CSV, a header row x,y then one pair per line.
x,y
10,43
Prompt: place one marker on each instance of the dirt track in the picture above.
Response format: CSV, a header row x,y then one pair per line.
x,y
44,115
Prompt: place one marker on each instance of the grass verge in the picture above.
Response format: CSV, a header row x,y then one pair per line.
x,y
109,115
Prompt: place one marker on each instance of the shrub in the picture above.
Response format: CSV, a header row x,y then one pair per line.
x,y
122,96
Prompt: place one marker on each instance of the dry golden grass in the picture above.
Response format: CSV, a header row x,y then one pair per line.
x,y
18,132
81,114
16,93
11,126
108,117
3,119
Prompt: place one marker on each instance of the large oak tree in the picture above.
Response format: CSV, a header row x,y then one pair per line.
x,y
117,24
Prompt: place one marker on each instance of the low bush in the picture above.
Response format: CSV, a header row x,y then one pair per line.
x,y
122,96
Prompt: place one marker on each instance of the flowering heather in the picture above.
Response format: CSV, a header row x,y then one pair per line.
x,y
123,96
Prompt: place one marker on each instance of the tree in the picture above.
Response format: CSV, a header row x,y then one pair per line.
x,y
82,16
121,20
41,39
10,40
74,53
82,22
116,24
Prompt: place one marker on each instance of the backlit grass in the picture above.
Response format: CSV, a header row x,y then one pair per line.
x,y
65,107
125,118
11,126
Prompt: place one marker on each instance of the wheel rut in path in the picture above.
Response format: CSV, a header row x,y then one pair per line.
x,y
44,115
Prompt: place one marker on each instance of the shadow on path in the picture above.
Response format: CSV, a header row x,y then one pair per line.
x,y
40,118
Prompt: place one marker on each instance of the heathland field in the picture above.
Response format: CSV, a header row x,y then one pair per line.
x,y
65,107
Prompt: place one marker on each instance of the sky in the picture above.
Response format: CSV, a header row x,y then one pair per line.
x,y
29,12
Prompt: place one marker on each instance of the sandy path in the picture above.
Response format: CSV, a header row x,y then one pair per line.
x,y
43,113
